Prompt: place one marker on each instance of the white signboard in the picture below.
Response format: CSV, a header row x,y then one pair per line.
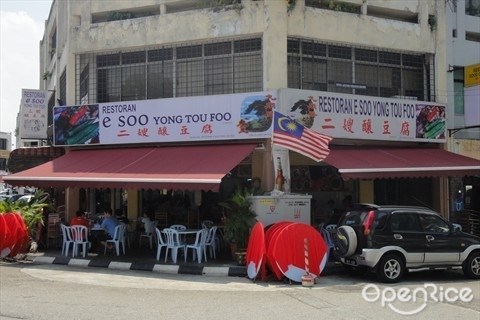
x,y
34,114
204,118
272,209
472,106
365,117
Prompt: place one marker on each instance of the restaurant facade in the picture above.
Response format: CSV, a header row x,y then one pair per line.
x,y
151,108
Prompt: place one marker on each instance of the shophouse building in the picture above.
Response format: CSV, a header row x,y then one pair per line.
x,y
463,93
370,73
5,149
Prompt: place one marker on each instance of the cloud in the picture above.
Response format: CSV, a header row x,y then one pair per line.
x,y
20,36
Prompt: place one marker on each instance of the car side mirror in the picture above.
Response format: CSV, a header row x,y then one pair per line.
x,y
456,227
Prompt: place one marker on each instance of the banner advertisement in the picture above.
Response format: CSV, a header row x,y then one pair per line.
x,y
34,114
204,118
281,162
471,95
365,117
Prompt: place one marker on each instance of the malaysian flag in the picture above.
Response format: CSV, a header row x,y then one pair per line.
x,y
290,134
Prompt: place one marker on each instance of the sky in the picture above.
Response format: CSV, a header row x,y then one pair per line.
x,y
21,29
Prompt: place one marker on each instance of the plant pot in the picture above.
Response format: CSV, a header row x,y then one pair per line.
x,y
233,249
240,257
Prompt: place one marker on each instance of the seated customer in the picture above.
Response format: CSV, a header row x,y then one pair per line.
x,y
108,224
81,220
120,217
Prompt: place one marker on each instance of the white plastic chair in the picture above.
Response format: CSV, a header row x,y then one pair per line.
x,y
160,242
118,238
179,227
211,241
173,243
331,227
80,238
198,247
67,240
148,233
207,224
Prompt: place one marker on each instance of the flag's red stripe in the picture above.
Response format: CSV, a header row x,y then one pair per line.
x,y
304,147
296,143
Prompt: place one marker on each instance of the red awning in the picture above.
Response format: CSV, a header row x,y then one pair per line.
x,y
182,167
371,163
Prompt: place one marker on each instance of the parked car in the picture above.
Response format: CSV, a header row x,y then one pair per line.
x,y
392,239
15,197
26,198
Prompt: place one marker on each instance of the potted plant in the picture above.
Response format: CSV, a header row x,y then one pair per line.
x,y
18,221
239,218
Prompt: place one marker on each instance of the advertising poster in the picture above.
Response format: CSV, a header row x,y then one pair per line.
x,y
281,162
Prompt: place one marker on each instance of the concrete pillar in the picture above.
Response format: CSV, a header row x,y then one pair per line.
x,y
71,202
366,191
132,203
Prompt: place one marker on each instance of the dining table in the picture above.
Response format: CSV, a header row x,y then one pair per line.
x,y
186,234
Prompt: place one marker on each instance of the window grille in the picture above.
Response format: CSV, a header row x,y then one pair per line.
x,y
323,66
63,87
208,68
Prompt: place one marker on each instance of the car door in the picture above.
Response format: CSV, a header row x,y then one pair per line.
x,y
407,234
441,246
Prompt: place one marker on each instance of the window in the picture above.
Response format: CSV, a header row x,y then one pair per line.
x,y
160,73
3,144
458,87
405,222
53,43
433,224
221,67
472,8
84,77
63,87
321,66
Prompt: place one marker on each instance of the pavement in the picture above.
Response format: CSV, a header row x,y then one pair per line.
x,y
144,259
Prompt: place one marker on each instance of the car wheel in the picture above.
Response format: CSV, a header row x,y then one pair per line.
x,y
390,269
346,241
471,266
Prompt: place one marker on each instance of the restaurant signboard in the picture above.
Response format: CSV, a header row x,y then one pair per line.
x,y
365,117
33,114
204,118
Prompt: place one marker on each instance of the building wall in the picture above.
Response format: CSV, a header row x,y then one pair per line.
x,y
5,149
460,53
81,28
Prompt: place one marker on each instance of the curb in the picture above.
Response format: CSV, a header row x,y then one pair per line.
x,y
232,271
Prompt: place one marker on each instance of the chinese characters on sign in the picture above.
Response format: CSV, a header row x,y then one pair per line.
x,y
364,117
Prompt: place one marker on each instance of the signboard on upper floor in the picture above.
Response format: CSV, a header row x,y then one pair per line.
x,y
471,95
203,118
33,114
248,116
364,117
472,75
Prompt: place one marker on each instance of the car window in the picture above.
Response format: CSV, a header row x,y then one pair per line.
x,y
380,220
353,218
404,221
434,224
